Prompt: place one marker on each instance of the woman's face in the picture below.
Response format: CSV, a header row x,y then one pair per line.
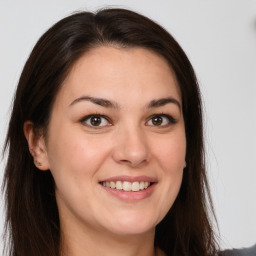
x,y
116,141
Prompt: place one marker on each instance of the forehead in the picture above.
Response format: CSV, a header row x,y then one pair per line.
x,y
107,71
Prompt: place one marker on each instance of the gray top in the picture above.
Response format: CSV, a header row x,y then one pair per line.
x,y
240,252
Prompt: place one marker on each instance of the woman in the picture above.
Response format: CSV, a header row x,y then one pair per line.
x,y
106,145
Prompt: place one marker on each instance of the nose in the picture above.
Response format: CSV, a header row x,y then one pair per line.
x,y
131,148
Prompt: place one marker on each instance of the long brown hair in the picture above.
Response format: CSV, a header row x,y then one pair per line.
x,y
32,213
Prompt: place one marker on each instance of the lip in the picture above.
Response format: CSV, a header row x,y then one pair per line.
x,y
130,179
130,196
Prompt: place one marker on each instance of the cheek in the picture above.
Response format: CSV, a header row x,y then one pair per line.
x,y
75,161
170,153
69,147
170,156
74,157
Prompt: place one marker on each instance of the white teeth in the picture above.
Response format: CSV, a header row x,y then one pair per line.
x,y
135,186
112,184
142,185
126,185
119,185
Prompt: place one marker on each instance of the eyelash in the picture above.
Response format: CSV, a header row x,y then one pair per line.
x,y
170,119
97,115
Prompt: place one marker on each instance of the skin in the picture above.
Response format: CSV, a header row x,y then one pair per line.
x,y
80,155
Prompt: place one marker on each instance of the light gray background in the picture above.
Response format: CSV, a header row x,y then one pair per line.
x,y
219,37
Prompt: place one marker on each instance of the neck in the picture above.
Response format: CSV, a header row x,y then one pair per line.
x,y
97,242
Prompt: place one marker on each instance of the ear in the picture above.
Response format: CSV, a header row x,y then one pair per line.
x,y
37,146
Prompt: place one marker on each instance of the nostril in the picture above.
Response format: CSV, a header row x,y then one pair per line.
x,y
131,149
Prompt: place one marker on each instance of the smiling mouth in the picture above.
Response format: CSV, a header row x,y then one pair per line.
x,y
126,185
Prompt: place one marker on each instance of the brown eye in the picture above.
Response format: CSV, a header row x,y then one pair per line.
x,y
161,120
95,121
157,120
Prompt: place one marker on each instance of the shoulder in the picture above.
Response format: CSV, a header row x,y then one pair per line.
x,y
251,251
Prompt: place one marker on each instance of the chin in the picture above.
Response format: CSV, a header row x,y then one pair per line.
x,y
135,230
133,225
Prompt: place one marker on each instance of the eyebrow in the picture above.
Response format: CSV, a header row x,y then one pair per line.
x,y
163,101
110,104
98,101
